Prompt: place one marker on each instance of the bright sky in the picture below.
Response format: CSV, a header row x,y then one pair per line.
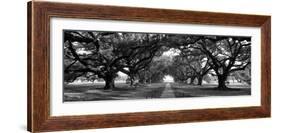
x,y
121,74
168,78
171,52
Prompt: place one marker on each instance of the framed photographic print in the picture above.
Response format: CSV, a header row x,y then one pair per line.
x,y
94,66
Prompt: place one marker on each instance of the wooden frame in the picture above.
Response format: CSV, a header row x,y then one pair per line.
x,y
39,14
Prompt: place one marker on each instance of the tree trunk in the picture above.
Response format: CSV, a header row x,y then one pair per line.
x,y
131,81
192,81
109,83
199,80
143,79
221,81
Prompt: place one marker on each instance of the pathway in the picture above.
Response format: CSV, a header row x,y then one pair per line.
x,y
168,92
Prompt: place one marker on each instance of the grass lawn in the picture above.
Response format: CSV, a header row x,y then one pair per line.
x,y
94,91
184,90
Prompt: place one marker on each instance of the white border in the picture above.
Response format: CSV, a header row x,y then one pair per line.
x,y
58,108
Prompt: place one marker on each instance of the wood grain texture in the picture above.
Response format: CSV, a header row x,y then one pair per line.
x,y
39,15
266,66
29,69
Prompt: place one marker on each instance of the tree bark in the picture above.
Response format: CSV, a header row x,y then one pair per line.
x,y
221,81
109,83
131,81
199,79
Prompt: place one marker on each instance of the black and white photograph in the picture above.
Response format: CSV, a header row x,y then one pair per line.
x,y
116,65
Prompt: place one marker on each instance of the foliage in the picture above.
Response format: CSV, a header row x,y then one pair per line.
x,y
104,54
225,54
156,70
101,55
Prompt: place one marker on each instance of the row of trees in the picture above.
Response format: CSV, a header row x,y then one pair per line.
x,y
103,54
216,56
